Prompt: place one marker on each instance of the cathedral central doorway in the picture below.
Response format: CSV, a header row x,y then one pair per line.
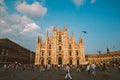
x,y
59,60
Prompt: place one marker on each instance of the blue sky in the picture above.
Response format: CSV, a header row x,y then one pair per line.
x,y
23,20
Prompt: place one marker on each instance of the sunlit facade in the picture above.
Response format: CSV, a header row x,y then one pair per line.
x,y
59,49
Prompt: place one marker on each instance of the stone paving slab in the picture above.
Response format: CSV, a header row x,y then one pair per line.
x,y
55,75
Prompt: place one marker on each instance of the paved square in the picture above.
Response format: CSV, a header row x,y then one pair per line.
x,y
56,75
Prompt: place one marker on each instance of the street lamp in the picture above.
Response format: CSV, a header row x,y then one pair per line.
x,y
99,52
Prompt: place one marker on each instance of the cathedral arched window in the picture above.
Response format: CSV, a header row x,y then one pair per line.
x,y
77,62
49,46
60,38
60,48
70,62
69,46
49,53
77,53
49,61
42,62
70,53
42,53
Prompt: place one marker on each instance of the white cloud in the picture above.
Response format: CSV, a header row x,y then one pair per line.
x,y
1,1
2,9
6,30
2,22
20,28
14,24
2,5
92,1
33,10
78,3
30,27
17,24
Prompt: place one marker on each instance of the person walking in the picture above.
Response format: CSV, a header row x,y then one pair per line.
x,y
67,68
93,67
5,67
88,69
78,68
104,69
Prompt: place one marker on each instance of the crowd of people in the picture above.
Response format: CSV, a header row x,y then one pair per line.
x,y
15,67
89,68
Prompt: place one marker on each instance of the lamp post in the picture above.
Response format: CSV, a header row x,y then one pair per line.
x,y
99,52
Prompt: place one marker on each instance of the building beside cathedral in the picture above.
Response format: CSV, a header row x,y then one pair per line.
x,y
11,52
107,58
59,49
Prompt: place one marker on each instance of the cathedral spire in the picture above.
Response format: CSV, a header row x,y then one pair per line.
x,y
65,28
46,34
72,34
54,29
80,40
39,39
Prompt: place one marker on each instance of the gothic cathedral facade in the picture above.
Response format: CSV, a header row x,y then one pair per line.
x,y
59,49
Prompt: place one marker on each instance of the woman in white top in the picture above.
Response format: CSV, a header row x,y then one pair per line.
x,y
67,68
